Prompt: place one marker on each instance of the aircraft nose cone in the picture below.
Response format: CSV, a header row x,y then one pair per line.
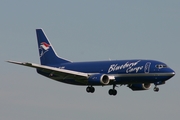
x,y
172,72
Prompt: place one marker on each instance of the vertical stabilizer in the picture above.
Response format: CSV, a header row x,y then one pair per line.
x,y
47,54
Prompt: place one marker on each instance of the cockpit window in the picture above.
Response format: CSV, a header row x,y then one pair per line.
x,y
161,66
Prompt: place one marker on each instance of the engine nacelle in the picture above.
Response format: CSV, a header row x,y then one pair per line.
x,y
99,79
143,86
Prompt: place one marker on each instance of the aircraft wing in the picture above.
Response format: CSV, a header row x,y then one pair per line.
x,y
53,70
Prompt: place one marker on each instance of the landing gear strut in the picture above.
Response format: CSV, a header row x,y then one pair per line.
x,y
113,91
90,89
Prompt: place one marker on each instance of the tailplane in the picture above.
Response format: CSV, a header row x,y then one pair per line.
x,y
47,54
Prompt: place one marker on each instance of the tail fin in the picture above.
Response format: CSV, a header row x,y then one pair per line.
x,y
47,54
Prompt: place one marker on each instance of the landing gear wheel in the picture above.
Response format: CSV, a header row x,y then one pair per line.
x,y
112,92
115,92
90,89
156,89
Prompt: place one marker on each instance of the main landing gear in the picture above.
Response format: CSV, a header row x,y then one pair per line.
x,y
90,89
113,91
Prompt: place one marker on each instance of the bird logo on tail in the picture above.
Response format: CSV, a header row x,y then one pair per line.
x,y
44,47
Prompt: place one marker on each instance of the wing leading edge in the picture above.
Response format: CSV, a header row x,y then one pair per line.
x,y
53,70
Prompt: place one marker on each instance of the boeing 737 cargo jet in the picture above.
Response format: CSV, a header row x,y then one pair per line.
x,y
136,74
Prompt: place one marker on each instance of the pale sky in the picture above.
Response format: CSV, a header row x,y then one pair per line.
x,y
82,31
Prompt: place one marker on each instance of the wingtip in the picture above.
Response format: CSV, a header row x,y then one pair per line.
x,y
9,61
14,62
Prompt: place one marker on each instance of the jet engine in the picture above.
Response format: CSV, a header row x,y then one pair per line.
x,y
143,86
99,79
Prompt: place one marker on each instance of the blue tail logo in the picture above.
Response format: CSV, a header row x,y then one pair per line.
x,y
43,48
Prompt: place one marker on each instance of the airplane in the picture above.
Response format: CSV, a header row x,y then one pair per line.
x,y
138,74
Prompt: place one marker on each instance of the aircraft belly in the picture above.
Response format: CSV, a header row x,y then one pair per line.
x,y
140,79
127,80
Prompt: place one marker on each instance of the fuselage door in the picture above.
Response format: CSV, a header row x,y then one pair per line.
x,y
147,67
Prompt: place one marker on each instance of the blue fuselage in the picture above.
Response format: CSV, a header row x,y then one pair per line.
x,y
124,71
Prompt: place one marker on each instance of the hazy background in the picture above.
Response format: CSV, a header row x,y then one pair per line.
x,y
82,30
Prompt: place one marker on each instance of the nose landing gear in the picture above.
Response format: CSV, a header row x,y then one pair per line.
x,y
156,89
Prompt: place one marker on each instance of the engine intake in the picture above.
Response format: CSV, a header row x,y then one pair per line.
x,y
99,79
